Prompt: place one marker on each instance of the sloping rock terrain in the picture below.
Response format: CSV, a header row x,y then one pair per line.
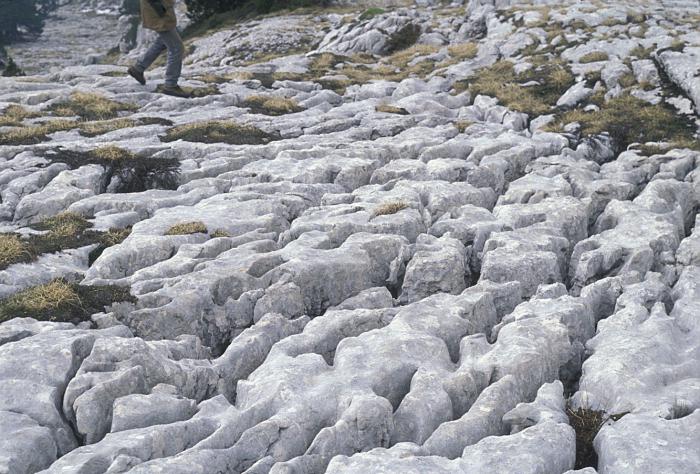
x,y
424,239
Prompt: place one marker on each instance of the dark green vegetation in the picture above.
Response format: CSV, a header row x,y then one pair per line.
x,y
63,231
628,119
134,173
23,19
62,301
219,132
586,422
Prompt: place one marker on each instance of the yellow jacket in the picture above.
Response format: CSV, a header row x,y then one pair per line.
x,y
153,21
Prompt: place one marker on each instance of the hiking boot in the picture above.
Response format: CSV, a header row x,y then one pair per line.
x,y
175,91
136,74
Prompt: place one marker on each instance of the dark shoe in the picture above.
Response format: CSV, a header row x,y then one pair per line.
x,y
175,91
136,74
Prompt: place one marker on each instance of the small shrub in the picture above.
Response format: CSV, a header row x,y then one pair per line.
x,y
218,132
187,228
89,106
593,56
586,423
390,208
391,109
133,173
271,105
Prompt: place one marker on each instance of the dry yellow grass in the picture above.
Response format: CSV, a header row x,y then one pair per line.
x,y
65,224
46,297
12,250
593,56
391,109
215,131
112,153
390,208
101,127
463,50
401,58
35,134
90,106
114,236
462,125
13,115
271,105
187,228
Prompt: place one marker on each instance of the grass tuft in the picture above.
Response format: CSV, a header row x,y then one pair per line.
x,y
59,300
499,80
219,132
391,109
593,56
463,50
13,250
271,105
390,208
14,115
219,233
35,134
628,119
187,228
89,106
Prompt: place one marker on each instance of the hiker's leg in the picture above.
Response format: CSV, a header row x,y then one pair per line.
x,y
176,51
151,54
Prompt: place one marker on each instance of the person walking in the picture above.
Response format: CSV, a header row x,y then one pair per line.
x,y
159,15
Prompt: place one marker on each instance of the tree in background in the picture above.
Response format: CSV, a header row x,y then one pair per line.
x,y
20,19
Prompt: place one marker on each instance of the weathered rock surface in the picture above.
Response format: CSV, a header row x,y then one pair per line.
x,y
394,272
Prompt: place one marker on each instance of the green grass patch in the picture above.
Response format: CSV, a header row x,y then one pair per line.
x,y
371,13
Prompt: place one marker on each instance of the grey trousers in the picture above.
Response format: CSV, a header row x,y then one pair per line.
x,y
171,41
